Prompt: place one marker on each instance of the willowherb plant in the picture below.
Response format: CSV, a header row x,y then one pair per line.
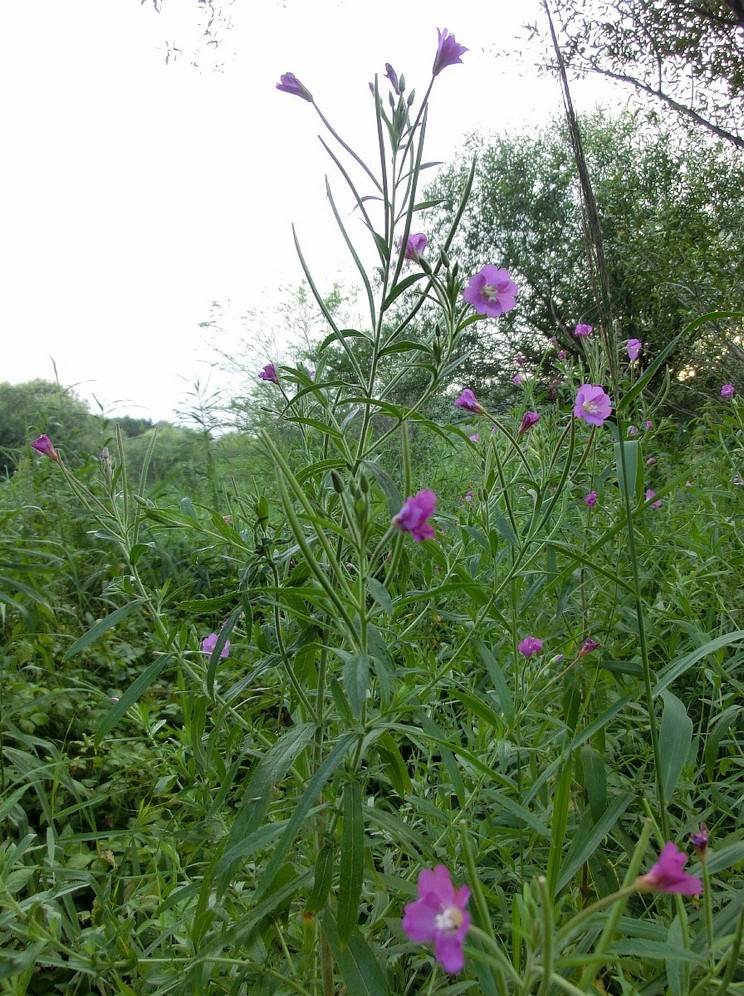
x,y
371,713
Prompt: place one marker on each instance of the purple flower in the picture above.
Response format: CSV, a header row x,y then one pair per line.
x,y
391,74
667,875
290,84
592,404
529,645
468,496
590,499
517,379
475,437
633,346
415,245
562,354
699,841
491,291
632,431
652,494
582,331
412,517
728,391
269,374
649,424
528,420
448,52
519,360
439,915
651,461
210,642
469,402
45,446
588,647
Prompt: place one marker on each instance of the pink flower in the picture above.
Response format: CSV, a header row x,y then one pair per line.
x,y
517,379
588,647
529,645
649,424
699,841
728,391
475,437
528,420
491,291
469,402
651,461
415,245
632,431
45,446
633,346
554,341
519,360
412,517
290,84
439,915
652,494
667,875
468,496
210,642
592,404
449,51
590,499
562,354
582,331
269,374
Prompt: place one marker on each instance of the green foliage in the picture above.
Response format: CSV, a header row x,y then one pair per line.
x,y
672,220
253,818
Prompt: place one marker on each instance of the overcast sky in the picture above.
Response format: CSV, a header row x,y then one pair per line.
x,y
133,193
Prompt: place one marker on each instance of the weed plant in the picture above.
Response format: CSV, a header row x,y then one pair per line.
x,y
256,743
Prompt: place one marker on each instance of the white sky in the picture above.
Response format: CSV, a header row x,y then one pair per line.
x,y
134,194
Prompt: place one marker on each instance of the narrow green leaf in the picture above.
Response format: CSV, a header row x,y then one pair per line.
x,y
272,767
130,696
323,880
503,693
352,861
400,287
102,626
394,764
675,737
595,780
302,807
628,480
381,595
479,707
356,681
584,845
361,971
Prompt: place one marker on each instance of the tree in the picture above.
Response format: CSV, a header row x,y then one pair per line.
x,y
672,217
26,410
688,54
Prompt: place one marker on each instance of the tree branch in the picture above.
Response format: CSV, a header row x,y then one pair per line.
x,y
688,112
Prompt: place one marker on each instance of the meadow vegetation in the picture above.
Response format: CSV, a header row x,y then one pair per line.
x,y
421,681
